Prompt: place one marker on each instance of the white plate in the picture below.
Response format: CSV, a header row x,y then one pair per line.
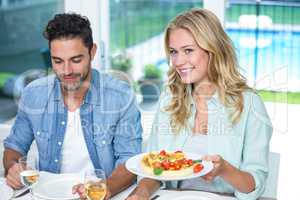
x,y
56,186
6,192
134,165
189,195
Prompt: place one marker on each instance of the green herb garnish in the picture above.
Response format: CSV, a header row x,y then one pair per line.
x,y
158,171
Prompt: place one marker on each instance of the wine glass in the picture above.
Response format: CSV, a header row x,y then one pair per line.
x,y
95,184
29,172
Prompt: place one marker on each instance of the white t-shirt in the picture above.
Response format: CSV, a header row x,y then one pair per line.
x,y
75,156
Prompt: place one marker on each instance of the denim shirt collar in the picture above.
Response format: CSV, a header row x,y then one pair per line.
x,y
92,94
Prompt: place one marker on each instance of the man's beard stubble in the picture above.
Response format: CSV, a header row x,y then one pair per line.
x,y
74,86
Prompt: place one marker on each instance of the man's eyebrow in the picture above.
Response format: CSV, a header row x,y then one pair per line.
x,y
78,56
56,58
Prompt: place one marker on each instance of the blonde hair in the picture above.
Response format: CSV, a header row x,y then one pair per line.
x,y
222,67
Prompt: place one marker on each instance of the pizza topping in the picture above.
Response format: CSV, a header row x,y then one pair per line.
x,y
166,165
162,153
178,155
178,152
172,165
157,165
158,171
177,165
197,161
197,168
170,161
190,162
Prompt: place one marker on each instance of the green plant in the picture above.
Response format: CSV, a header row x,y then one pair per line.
x,y
121,62
135,86
4,76
152,72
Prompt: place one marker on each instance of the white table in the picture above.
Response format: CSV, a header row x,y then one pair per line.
x,y
182,195
163,195
167,195
177,195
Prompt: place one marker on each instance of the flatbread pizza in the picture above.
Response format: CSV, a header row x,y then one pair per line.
x,y
170,164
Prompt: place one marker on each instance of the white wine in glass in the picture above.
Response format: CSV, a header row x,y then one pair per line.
x,y
95,184
30,172
29,177
95,190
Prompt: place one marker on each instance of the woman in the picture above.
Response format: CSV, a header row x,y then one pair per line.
x,y
208,109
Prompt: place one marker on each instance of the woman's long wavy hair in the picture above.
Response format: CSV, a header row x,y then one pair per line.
x,y
222,67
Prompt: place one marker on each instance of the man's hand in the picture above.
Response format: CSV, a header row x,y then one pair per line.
x,y
137,197
13,176
12,168
119,180
79,189
114,184
146,187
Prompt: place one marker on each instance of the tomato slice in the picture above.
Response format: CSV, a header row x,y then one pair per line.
x,y
172,165
190,162
197,168
163,153
166,164
177,166
181,161
156,165
185,161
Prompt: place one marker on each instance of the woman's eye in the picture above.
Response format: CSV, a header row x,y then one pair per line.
x,y
172,52
187,51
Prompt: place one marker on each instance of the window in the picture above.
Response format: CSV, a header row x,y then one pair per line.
x,y
22,46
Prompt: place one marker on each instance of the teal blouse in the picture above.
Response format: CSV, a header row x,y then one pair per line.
x,y
245,144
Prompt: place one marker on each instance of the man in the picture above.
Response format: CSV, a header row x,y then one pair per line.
x,y
80,119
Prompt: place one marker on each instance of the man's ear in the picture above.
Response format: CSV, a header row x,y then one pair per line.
x,y
93,51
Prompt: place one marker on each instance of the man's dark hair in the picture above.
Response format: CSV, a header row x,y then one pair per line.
x,y
69,25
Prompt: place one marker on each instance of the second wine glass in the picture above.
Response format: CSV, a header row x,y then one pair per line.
x,y
95,184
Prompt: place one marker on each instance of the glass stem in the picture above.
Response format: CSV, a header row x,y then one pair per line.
x,y
31,194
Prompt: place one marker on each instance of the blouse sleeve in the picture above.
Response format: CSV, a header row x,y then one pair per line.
x,y
256,146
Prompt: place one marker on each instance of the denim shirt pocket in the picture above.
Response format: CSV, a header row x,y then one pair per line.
x,y
42,142
104,147
103,140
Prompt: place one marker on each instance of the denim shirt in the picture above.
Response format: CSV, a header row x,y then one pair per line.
x,y
245,144
109,115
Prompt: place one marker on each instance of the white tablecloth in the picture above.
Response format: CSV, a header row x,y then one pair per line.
x,y
163,195
168,195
